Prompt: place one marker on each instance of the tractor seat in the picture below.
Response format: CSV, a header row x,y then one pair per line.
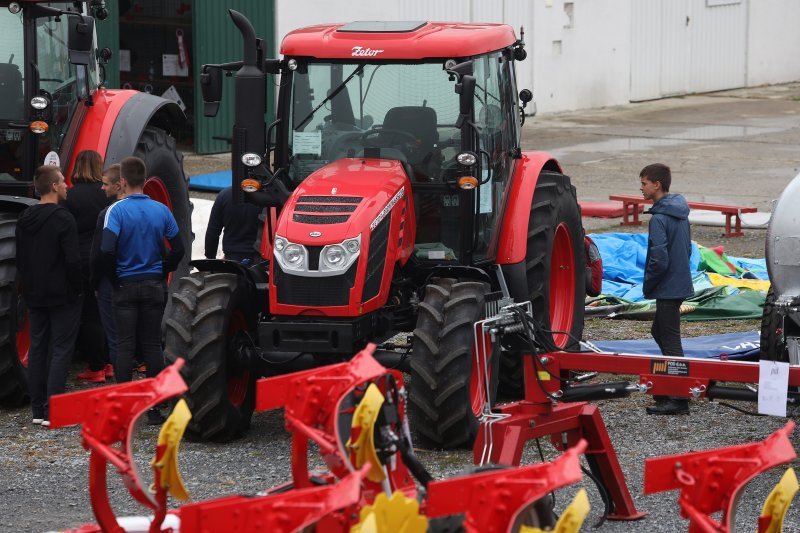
x,y
421,122
11,92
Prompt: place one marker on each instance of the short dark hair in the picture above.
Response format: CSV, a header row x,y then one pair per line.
x,y
44,178
658,172
133,170
112,173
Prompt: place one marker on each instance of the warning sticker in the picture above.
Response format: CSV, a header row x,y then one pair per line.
x,y
669,368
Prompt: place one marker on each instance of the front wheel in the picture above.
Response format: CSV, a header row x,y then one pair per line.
x,y
447,389
555,274
209,318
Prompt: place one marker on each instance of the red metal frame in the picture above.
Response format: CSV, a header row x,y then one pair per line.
x,y
433,40
108,415
492,500
312,401
711,480
513,241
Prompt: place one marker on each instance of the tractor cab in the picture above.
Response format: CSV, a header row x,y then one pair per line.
x,y
457,160
47,65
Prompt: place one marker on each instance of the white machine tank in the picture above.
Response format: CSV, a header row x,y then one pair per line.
x,y
783,244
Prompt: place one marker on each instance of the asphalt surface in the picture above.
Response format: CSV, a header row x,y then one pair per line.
x,y
735,147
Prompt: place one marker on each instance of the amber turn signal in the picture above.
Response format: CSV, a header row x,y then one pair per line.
x,y
467,183
250,185
38,126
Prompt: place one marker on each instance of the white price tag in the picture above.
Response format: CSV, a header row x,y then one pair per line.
x,y
307,142
773,385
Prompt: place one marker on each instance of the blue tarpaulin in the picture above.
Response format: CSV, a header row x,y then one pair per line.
x,y
734,345
215,181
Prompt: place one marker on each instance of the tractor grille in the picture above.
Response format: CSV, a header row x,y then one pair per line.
x,y
376,259
325,204
313,291
320,219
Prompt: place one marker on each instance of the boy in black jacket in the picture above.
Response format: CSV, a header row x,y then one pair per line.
x,y
48,264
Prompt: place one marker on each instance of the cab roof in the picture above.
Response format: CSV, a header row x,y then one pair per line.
x,y
397,40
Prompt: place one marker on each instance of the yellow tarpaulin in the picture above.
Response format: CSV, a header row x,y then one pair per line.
x,y
752,284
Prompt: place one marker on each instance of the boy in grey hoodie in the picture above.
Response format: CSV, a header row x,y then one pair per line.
x,y
667,274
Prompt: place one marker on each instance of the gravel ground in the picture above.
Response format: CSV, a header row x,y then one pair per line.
x,y
44,472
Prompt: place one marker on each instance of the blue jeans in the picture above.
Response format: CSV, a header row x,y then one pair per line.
x,y
138,309
53,331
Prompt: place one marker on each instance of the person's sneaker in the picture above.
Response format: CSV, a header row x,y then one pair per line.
x,y
669,407
142,368
93,377
154,417
38,421
46,423
109,371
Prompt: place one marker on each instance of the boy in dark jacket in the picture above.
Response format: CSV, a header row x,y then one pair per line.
x,y
667,274
48,264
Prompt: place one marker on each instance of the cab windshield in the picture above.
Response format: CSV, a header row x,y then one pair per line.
x,y
59,80
406,112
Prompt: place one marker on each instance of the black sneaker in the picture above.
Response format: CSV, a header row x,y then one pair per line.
x,y
669,407
154,417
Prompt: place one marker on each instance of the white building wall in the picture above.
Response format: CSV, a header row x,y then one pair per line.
x,y
773,42
594,53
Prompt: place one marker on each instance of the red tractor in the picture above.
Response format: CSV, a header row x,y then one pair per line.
x,y
53,107
396,199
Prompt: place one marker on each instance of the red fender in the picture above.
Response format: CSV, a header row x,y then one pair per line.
x,y
513,240
95,131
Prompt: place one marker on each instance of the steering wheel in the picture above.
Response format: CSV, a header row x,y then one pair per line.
x,y
394,138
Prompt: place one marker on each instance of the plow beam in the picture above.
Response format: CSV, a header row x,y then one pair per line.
x,y
710,480
492,500
107,417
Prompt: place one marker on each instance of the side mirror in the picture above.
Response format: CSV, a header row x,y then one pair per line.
x,y
211,87
80,39
525,96
466,95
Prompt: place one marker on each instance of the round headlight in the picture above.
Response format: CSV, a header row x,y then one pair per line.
x,y
334,255
352,245
39,102
467,159
293,254
292,64
251,159
14,8
280,244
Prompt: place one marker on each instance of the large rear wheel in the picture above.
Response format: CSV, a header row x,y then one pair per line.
x,y
210,319
447,392
14,337
554,267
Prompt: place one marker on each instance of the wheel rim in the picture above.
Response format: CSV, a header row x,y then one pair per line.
x,y
562,285
237,385
156,189
481,373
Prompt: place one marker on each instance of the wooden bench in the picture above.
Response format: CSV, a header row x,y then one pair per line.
x,y
631,205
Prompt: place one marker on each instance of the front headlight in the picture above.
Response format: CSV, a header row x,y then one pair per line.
x,y
280,243
334,256
293,255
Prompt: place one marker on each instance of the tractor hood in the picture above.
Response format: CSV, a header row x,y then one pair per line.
x,y
343,200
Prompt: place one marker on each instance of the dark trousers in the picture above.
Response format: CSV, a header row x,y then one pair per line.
x,y
53,331
666,331
138,309
105,305
90,341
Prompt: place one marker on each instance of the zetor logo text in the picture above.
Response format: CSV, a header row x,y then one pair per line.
x,y
360,51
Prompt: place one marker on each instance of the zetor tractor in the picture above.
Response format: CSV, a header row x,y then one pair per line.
x,y
51,108
397,199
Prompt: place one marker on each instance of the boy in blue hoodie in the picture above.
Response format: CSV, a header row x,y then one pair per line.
x,y
667,274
